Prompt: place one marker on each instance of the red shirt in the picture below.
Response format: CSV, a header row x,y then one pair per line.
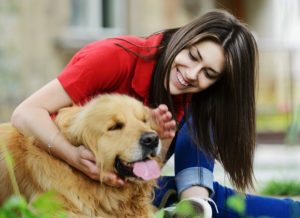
x,y
104,67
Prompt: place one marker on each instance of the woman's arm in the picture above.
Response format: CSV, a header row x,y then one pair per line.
x,y
32,117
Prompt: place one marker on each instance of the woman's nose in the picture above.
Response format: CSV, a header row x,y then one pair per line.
x,y
192,72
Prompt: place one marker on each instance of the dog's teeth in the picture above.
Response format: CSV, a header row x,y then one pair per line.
x,y
127,164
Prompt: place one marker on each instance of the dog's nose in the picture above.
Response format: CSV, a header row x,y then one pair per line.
x,y
149,140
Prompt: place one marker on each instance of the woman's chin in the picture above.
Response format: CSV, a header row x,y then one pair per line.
x,y
175,91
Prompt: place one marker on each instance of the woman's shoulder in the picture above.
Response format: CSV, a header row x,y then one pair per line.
x,y
135,44
142,41
144,46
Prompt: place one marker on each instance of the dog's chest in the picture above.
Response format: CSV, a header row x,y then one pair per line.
x,y
113,202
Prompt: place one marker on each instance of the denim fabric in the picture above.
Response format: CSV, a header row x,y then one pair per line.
x,y
166,193
194,176
256,206
192,165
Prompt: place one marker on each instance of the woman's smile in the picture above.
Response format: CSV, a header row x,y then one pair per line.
x,y
181,80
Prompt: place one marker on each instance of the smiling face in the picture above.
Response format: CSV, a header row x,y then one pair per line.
x,y
196,68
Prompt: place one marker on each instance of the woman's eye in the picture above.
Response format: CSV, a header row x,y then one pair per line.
x,y
209,75
192,57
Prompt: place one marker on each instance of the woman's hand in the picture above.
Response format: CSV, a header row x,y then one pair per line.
x,y
85,162
163,118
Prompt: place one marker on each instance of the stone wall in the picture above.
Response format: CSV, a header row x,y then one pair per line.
x,y
28,55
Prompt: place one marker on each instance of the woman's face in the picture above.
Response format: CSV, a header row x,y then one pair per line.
x,y
196,68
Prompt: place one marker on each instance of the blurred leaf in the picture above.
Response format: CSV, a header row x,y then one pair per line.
x,y
237,203
15,201
9,160
158,214
15,207
47,205
184,208
8,214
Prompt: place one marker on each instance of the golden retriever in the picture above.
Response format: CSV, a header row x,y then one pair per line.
x,y
119,131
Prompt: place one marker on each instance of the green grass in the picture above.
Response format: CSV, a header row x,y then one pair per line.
x,y
281,188
273,122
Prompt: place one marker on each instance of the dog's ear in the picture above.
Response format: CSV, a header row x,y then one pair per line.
x,y
78,130
73,124
81,133
64,119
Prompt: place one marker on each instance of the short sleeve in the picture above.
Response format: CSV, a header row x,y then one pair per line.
x,y
99,67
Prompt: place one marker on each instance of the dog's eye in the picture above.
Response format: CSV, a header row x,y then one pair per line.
x,y
144,120
116,126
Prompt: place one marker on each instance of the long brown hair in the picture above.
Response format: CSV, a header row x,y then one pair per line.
x,y
223,116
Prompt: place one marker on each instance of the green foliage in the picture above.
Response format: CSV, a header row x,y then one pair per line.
x,y
46,205
185,208
237,203
158,214
270,122
181,209
281,188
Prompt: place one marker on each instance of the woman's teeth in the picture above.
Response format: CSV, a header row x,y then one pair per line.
x,y
181,80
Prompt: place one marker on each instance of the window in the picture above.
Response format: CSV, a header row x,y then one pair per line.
x,y
94,19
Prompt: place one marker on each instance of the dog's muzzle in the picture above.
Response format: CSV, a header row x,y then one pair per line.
x,y
145,167
149,142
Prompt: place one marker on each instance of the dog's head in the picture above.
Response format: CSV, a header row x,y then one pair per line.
x,y
120,132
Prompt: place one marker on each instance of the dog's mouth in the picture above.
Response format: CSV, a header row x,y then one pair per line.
x,y
146,169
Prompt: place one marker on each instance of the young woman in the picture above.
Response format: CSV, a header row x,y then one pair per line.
x,y
203,72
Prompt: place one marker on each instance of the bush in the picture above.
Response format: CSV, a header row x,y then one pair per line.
x,y
281,188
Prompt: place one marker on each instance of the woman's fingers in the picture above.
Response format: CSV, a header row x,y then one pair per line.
x,y
163,118
112,179
89,167
86,154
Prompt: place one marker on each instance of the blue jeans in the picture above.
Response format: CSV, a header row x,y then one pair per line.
x,y
193,167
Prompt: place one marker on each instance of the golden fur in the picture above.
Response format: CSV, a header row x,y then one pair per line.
x,y
92,125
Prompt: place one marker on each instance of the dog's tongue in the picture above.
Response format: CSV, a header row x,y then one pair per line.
x,y
146,170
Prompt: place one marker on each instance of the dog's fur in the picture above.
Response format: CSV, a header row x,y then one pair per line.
x,y
110,126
